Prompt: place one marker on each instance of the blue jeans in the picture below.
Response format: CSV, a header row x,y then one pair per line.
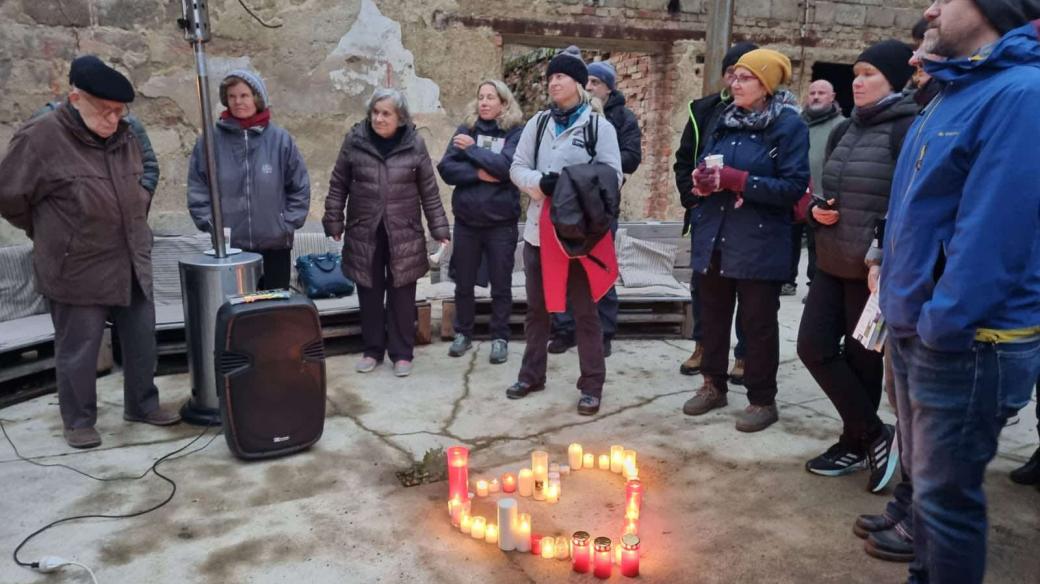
x,y
958,402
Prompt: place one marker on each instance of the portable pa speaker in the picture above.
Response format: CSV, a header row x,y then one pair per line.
x,y
270,362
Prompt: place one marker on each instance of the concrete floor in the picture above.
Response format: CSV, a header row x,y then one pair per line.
x,y
721,506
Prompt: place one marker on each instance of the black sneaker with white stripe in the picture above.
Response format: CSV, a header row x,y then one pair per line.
x,y
883,458
837,461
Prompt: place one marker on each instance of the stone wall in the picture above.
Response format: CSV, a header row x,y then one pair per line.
x,y
328,56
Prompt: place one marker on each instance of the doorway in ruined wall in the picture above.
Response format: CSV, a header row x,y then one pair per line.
x,y
642,79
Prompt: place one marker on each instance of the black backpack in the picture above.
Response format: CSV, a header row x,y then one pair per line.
x,y
590,134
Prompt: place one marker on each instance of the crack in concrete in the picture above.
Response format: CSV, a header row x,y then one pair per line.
x,y
383,437
457,405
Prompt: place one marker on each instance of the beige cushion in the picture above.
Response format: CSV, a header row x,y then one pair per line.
x,y
645,263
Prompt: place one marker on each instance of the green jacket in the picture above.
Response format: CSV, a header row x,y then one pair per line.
x,y
819,130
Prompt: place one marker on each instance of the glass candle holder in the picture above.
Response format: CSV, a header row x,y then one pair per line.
x,y
574,455
604,462
630,555
477,530
548,547
581,554
509,483
458,472
602,562
491,533
563,546
617,458
482,488
634,494
525,484
588,460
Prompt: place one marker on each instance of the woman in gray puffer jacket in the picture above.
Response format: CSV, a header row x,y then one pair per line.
x,y
265,191
857,178
381,185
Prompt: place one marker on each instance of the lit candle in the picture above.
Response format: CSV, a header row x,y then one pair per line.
x,y
455,510
526,483
478,529
617,553
466,523
558,485
458,472
491,533
540,469
482,488
630,470
588,460
507,518
631,526
574,455
630,455
552,493
602,566
634,494
493,486
548,548
580,553
630,555
617,458
632,511
508,483
604,462
562,548
536,544
522,535
539,490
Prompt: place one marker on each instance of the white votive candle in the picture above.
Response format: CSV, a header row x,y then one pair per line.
x,y
525,484
617,458
477,529
482,488
574,455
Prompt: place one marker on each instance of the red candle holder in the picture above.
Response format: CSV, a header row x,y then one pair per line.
x,y
602,564
630,555
509,483
458,473
536,544
634,494
581,555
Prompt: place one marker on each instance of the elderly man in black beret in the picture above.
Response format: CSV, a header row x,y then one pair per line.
x,y
72,183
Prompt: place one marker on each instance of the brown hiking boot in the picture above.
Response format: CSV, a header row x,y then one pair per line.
x,y
692,366
82,437
160,416
756,418
707,398
736,374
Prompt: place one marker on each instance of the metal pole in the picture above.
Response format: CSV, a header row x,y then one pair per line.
x,y
195,22
717,41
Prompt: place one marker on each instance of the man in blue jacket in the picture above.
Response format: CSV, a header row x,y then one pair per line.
x,y
960,285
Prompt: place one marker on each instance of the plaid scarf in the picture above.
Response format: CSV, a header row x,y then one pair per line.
x,y
738,118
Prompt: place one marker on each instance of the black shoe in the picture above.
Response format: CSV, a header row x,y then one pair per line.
x,y
520,389
560,344
867,524
1029,473
588,405
837,461
606,347
883,458
890,545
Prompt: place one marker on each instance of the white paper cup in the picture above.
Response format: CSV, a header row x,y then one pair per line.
x,y
713,161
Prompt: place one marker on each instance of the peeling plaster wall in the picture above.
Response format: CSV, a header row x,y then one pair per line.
x,y
323,63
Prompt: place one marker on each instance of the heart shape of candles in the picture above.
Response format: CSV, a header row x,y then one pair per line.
x,y
542,482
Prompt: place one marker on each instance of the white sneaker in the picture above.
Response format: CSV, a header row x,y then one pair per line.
x,y
403,368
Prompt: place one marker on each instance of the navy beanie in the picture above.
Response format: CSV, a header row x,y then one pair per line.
x,y
605,72
93,76
1005,15
735,53
892,58
568,62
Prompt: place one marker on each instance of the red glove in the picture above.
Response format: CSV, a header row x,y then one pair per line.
x,y
704,180
732,179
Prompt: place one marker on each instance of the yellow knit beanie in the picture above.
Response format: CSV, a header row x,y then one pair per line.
x,y
772,68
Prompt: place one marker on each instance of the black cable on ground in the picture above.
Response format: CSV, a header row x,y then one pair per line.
x,y
153,469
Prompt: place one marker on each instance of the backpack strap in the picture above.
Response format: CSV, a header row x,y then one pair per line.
x,y
543,123
591,135
835,137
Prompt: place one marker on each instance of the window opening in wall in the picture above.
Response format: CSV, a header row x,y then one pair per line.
x,y
840,75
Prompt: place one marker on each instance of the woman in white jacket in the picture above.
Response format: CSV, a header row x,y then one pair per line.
x,y
562,144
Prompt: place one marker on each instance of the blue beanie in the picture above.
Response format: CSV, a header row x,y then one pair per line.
x,y
253,81
605,72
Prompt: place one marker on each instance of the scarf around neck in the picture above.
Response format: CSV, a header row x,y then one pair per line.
x,y
564,118
261,119
738,118
865,114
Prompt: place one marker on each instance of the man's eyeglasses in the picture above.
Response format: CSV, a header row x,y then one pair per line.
x,y
109,113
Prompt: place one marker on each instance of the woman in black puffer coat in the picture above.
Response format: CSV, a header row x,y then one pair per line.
x,y
857,178
486,205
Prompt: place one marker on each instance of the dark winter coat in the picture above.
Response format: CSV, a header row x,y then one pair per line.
x,y
150,178
754,239
81,201
584,204
474,202
629,136
858,175
265,191
703,114
394,190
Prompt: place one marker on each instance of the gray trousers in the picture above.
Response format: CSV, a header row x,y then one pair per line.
x,y
77,338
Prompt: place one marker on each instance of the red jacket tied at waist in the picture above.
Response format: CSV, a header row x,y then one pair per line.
x,y
600,265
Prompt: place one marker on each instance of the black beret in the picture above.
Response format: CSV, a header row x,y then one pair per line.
x,y
98,79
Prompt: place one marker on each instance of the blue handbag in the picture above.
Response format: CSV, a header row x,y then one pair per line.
x,y
321,275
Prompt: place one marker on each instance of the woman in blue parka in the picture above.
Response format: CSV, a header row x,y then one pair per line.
x,y
742,230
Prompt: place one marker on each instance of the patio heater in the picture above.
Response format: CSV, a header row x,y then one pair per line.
x,y
208,279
